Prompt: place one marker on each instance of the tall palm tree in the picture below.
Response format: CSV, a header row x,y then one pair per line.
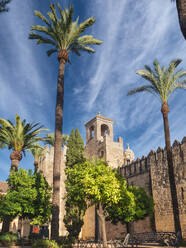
x,y
65,36
19,137
181,8
162,83
50,139
37,151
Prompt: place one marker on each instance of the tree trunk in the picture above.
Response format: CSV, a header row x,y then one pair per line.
x,y
15,157
6,224
57,148
173,191
102,218
181,8
35,166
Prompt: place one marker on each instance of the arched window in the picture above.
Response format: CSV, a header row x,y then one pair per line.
x,y
101,154
104,130
91,132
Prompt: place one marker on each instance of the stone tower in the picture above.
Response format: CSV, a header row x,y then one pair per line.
x,y
100,141
100,144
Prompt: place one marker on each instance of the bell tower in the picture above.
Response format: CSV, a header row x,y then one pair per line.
x,y
98,127
100,141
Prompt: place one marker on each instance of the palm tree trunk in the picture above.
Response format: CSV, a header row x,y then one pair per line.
x,y
15,157
35,166
57,148
103,224
165,110
181,8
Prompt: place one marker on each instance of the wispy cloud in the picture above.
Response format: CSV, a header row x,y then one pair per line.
x,y
133,35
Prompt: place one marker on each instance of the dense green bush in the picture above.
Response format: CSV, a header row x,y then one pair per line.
x,y
8,238
65,241
45,243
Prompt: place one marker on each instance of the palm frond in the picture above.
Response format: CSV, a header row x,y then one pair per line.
x,y
41,39
143,88
42,17
88,40
51,51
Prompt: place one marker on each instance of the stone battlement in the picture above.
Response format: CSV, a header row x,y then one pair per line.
x,y
140,166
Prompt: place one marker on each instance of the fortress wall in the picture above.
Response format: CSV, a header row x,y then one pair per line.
x,y
161,186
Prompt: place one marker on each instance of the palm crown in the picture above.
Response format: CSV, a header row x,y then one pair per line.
x,y
162,81
37,151
50,139
21,136
63,32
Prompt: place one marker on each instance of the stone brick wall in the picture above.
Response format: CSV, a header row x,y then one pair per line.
x,y
46,166
151,173
161,186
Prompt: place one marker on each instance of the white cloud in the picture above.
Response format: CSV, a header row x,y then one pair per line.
x,y
133,35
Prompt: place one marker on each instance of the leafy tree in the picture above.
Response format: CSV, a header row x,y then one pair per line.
x,y
19,137
75,149
28,196
50,139
3,5
92,183
181,8
65,36
143,206
162,83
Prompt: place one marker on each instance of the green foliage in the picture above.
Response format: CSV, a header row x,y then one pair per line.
x,y
28,196
65,241
124,212
3,5
37,151
8,238
162,81
21,136
75,149
45,244
143,203
62,33
50,139
75,207
92,183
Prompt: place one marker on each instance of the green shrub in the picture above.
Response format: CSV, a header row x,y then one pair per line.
x,y
8,238
65,241
45,243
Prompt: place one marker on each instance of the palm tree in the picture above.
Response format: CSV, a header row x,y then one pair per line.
x,y
37,151
181,8
3,6
162,83
50,139
19,137
65,36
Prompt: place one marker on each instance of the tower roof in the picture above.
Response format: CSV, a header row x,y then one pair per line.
x,y
99,117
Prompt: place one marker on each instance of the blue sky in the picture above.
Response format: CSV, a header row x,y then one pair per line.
x,y
134,33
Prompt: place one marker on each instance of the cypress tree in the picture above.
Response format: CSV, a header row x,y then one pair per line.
x,y
73,218
75,149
